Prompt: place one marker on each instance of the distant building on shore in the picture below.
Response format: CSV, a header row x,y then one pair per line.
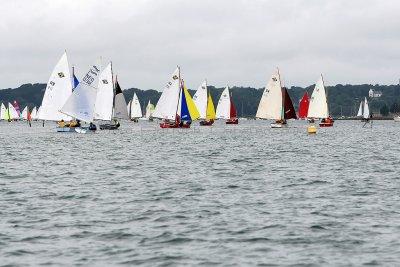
x,y
374,94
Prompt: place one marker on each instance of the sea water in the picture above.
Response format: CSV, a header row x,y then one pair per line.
x,y
225,195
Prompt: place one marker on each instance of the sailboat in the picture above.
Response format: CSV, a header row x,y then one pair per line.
x,y
303,107
81,102
275,103
175,106
363,111
3,112
119,110
58,89
226,109
203,101
24,114
16,106
12,113
135,111
318,108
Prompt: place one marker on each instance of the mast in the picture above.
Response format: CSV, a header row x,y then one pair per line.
x,y
112,81
72,78
283,98
180,89
326,95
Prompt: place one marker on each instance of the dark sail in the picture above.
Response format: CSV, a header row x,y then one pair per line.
x,y
303,109
290,113
233,112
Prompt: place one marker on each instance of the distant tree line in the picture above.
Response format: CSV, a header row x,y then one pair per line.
x,y
343,99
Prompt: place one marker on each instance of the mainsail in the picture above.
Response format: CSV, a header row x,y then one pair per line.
x,y
288,108
34,113
304,104
12,113
3,112
210,108
167,104
81,102
105,94
149,110
135,109
224,105
59,88
366,110
318,103
24,114
360,109
120,110
200,99
270,106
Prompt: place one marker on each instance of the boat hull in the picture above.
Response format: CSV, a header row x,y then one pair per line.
x,y
74,129
65,130
326,124
109,127
278,125
207,123
232,121
396,119
174,125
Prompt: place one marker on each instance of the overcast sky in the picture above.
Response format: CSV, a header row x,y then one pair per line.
x,y
235,42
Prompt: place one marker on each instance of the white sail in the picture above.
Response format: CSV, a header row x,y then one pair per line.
x,y
3,112
270,106
136,111
318,102
34,113
200,100
38,112
24,114
366,109
105,93
128,108
13,113
80,104
360,111
149,110
120,110
224,105
167,104
58,90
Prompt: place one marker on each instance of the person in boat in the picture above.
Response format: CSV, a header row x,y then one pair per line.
x,y
71,124
78,123
323,120
61,123
116,123
329,120
92,126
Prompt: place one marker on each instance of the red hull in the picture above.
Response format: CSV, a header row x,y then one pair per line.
x,y
232,121
326,124
206,123
175,125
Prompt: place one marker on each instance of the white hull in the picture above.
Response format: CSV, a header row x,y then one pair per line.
x,y
396,119
278,125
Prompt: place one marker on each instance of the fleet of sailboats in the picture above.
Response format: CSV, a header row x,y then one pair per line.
x,y
98,98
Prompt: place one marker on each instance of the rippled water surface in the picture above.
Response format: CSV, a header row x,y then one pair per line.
x,y
244,195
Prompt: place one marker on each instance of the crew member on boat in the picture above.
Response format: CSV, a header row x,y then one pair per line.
x,y
61,123
71,124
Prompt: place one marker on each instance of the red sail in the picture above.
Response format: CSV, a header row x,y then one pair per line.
x,y
233,112
303,109
290,112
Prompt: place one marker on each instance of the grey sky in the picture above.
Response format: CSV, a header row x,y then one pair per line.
x,y
228,42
